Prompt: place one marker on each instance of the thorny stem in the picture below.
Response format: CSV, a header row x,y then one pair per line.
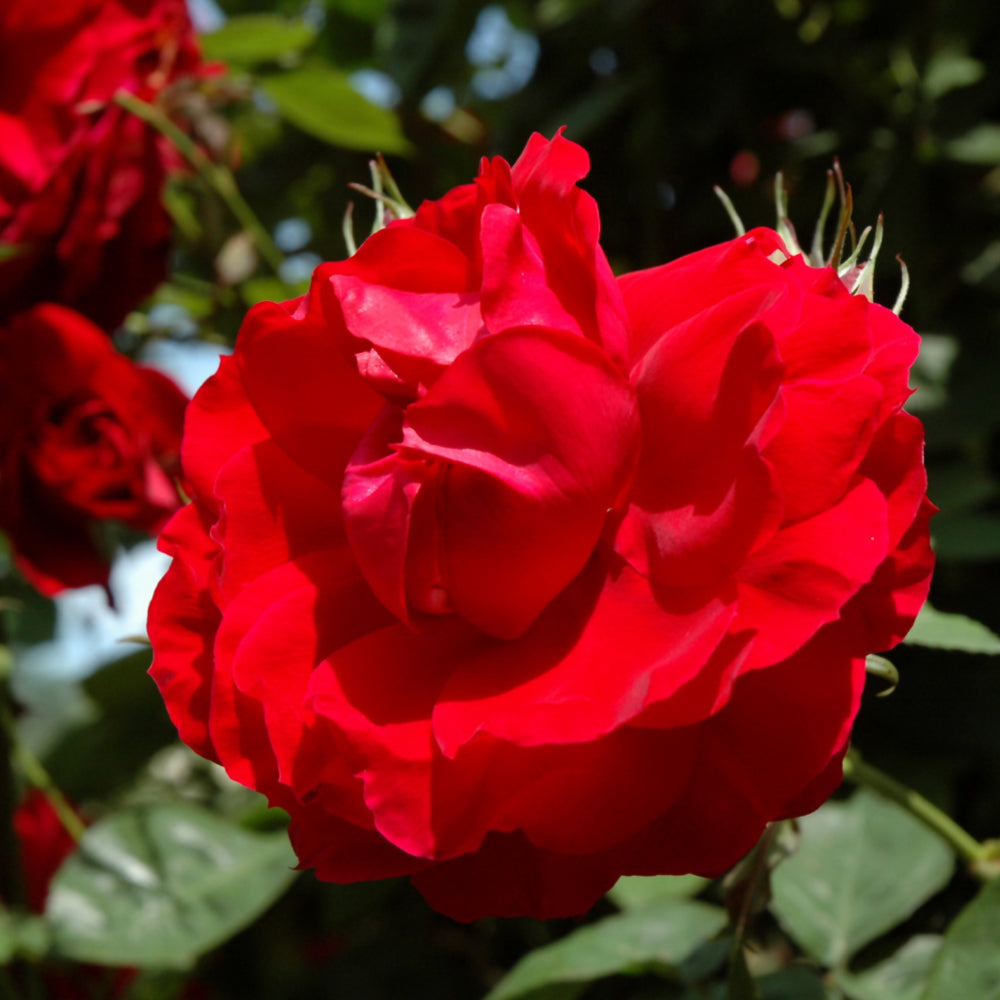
x,y
970,850
218,177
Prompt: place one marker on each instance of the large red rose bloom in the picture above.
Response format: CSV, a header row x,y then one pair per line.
x,y
513,577
81,179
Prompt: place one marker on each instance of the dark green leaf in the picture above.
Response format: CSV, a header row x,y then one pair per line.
x,y
250,39
900,977
794,983
89,762
969,538
654,938
942,630
862,868
968,965
157,886
740,985
321,101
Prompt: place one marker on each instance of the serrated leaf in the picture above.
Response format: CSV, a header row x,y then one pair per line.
x,y
863,866
320,100
633,891
968,965
653,938
251,39
943,630
157,886
902,976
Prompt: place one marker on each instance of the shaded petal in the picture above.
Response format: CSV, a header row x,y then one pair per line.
x,y
307,394
345,852
702,390
824,438
182,624
604,650
516,290
378,496
831,341
513,877
706,541
660,298
272,510
802,578
220,422
772,752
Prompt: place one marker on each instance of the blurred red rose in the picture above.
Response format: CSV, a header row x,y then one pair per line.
x,y
85,435
81,178
515,578
45,844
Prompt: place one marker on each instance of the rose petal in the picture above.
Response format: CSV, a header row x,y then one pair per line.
x,y
808,572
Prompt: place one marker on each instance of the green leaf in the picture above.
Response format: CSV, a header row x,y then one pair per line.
x,y
633,891
654,938
943,630
863,867
900,977
250,39
22,935
89,762
321,101
968,965
9,250
950,69
980,145
7,939
157,886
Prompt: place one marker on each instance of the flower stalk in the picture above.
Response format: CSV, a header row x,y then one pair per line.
x,y
980,857
218,177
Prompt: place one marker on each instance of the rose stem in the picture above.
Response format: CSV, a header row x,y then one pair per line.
x,y
13,750
218,177
970,850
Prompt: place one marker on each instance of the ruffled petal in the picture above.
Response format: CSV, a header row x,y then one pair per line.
x,y
182,623
825,436
555,686
808,572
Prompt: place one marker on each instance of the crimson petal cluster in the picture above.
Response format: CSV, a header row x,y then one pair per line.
x,y
81,179
86,436
514,577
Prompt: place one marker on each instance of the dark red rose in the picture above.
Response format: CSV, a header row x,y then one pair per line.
x,y
81,178
85,436
44,845
515,578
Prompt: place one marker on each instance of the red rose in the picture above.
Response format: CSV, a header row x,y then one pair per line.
x,y
514,578
45,844
85,435
80,177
